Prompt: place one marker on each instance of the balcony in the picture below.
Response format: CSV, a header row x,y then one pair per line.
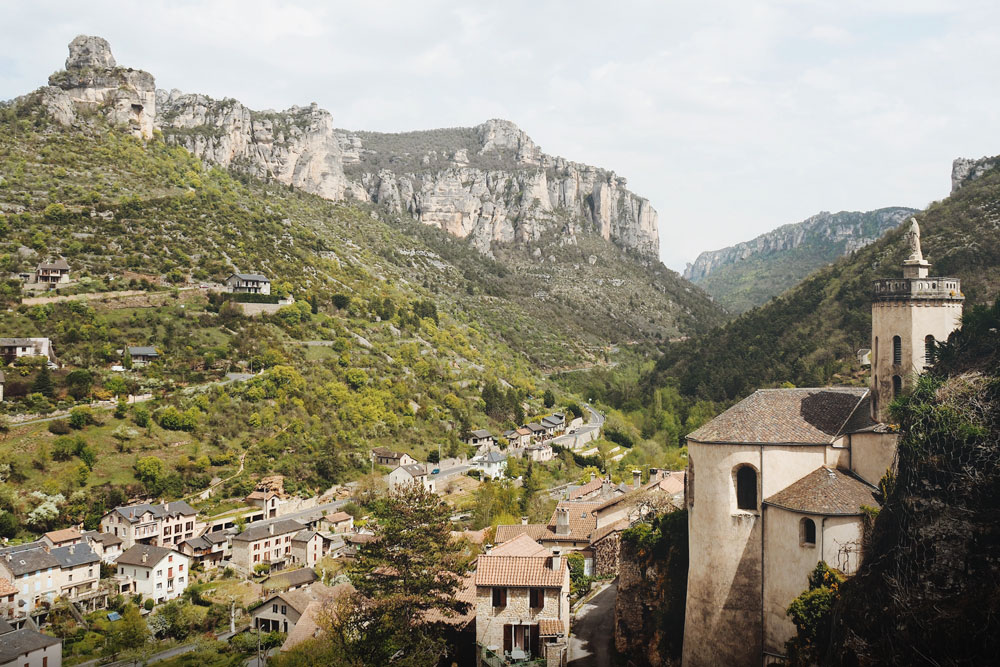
x,y
898,289
496,659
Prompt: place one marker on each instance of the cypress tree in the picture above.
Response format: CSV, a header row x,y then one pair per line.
x,y
43,383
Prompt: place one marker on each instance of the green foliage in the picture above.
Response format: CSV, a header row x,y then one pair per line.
x,y
811,613
78,383
140,416
549,399
149,470
81,417
43,383
173,419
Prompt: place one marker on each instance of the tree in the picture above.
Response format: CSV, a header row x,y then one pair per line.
x,y
128,634
149,470
43,382
80,416
411,567
127,360
549,399
78,383
9,524
811,612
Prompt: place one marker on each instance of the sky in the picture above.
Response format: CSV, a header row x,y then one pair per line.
x,y
733,118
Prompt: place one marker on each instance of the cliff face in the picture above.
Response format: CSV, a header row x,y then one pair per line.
x,y
93,81
748,274
964,170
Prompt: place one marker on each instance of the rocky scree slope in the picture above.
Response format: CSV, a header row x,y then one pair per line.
x,y
810,334
748,274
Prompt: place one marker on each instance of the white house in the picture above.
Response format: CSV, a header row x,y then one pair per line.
x,y
155,573
28,648
410,474
161,524
492,464
480,437
53,273
14,348
248,283
142,355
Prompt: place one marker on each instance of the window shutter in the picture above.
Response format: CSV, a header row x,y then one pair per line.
x,y
507,638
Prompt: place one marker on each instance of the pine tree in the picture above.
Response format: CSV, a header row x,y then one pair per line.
x,y
43,382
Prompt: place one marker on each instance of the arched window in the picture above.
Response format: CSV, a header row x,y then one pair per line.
x,y
746,488
897,350
875,354
929,350
897,385
807,532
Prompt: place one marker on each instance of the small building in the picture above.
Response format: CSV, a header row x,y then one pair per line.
x,y
208,550
539,453
538,431
281,611
28,648
143,355
291,580
413,473
519,438
553,424
522,604
384,456
162,524
480,437
35,573
266,500
156,573
52,273
265,543
307,548
492,464
248,283
107,546
62,538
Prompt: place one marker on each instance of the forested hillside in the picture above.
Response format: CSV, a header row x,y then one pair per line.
x,y
809,335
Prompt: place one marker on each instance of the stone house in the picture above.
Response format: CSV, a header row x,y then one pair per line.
x,y
307,548
35,573
538,432
155,573
782,479
248,283
28,648
384,456
281,611
208,549
163,524
522,603
80,575
269,543
52,274
107,546
480,437
338,522
8,593
414,473
539,453
266,500
62,538
143,355
518,438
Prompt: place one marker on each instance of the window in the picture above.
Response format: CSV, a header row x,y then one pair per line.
x,y
897,350
170,559
929,350
274,608
284,609
499,597
746,488
71,576
807,533
875,354
897,385
537,598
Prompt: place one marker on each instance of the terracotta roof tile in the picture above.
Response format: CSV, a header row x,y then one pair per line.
x,y
520,571
825,491
548,627
522,545
64,535
6,587
536,531
588,488
785,416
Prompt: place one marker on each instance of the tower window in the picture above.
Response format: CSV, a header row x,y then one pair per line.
x,y
746,488
897,385
807,533
929,350
875,354
897,350
689,478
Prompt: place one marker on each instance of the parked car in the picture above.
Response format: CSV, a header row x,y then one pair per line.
x,y
435,471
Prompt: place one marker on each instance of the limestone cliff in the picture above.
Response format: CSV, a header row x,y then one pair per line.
x,y
490,184
964,170
749,273
93,81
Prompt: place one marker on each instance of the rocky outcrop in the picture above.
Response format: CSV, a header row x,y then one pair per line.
x,y
964,170
93,81
844,232
504,190
296,147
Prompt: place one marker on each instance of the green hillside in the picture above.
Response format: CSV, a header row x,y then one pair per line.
x,y
808,336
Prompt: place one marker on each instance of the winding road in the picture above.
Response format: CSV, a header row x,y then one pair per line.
x,y
591,644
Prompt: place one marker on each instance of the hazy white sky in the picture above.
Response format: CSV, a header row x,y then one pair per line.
x,y
732,117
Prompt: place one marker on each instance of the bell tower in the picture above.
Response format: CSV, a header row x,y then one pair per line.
x,y
909,315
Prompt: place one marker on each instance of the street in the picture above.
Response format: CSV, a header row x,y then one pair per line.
x,y
584,434
594,630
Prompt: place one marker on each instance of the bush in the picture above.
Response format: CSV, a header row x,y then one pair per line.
x,y
173,419
81,417
148,605
59,427
140,416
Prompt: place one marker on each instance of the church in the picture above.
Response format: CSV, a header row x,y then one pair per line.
x,y
783,479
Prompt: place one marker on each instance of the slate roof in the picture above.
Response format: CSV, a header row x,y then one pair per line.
x,y
132,512
493,456
284,580
785,416
535,428
260,531
216,537
522,545
60,264
18,642
142,351
304,535
107,539
519,571
414,470
251,276
825,491
133,555
551,421
198,543
31,559
75,554
481,433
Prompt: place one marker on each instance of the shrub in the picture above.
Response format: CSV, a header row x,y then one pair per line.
x,y
59,427
140,416
80,417
148,605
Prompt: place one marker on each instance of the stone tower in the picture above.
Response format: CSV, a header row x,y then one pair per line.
x,y
909,315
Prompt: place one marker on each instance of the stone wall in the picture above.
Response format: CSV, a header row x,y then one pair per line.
x,y
606,555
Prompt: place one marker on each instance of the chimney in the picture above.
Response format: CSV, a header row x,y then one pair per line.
x,y
556,562
653,474
488,549
524,521
145,557
636,479
606,486
270,529
562,521
72,549
46,548
591,476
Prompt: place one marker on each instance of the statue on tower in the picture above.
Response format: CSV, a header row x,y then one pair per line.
x,y
913,239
